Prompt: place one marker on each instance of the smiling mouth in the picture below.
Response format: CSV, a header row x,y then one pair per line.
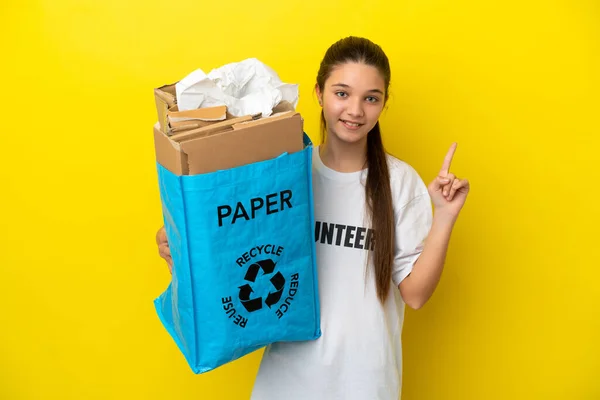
x,y
351,124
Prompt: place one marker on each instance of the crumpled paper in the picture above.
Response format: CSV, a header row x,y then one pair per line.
x,y
247,87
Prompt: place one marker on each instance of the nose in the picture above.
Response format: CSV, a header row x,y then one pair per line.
x,y
355,108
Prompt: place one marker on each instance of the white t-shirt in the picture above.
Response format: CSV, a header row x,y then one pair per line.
x,y
359,355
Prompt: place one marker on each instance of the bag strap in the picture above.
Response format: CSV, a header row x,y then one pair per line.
x,y
307,141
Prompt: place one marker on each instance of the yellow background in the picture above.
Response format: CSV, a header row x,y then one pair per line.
x,y
515,83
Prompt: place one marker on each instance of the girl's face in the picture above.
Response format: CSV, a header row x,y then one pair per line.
x,y
352,98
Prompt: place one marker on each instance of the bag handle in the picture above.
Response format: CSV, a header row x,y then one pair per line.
x,y
307,141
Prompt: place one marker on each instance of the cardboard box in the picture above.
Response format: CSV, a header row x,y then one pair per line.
x,y
209,139
165,97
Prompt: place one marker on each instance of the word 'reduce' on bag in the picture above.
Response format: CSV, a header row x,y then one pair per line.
x,y
241,238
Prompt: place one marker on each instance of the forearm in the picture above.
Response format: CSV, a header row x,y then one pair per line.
x,y
418,287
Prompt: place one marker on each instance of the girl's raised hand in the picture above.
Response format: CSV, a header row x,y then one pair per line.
x,y
448,192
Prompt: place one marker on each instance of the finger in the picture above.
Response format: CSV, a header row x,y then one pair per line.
x,y
453,189
439,182
448,186
459,185
448,160
164,252
161,235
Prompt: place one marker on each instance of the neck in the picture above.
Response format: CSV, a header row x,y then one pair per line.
x,y
343,157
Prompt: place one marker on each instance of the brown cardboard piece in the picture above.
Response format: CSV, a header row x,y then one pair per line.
x,y
171,120
231,146
165,97
214,140
234,143
179,121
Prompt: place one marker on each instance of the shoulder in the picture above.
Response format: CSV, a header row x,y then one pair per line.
x,y
406,183
404,174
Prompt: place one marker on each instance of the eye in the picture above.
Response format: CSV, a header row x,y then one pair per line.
x,y
341,94
372,99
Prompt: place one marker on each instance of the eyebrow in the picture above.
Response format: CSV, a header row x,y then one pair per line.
x,y
348,87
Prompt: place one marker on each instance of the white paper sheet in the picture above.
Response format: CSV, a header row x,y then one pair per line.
x,y
247,87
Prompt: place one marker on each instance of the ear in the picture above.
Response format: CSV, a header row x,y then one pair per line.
x,y
319,94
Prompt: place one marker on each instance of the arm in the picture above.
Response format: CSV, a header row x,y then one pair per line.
x,y
448,194
420,284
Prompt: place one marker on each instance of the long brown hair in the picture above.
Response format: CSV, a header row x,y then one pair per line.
x,y
378,192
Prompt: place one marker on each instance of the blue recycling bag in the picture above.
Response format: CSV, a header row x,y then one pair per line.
x,y
244,266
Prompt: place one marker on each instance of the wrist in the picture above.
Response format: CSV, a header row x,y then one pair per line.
x,y
444,219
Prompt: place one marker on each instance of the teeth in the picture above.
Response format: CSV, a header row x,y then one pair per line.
x,y
350,123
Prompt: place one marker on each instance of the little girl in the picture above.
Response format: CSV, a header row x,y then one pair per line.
x,y
379,245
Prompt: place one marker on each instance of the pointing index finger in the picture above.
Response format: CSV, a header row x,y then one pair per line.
x,y
448,160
